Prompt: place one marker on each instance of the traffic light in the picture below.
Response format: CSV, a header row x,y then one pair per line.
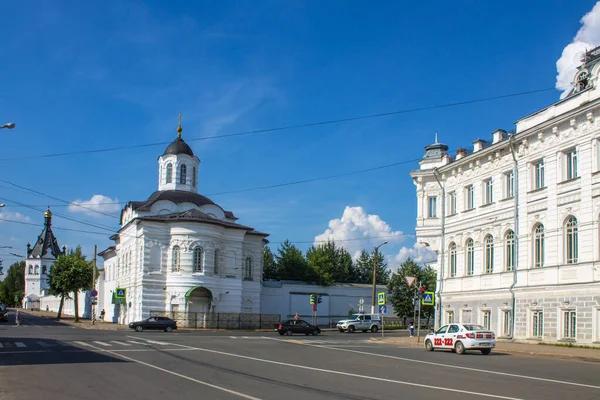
x,y
422,289
319,299
312,299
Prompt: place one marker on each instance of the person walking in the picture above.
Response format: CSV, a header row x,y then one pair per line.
x,y
18,317
102,314
296,317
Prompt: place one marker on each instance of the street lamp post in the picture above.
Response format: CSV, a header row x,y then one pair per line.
x,y
9,125
376,259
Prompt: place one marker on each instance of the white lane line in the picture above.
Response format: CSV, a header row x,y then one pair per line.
x,y
83,344
20,344
483,371
329,371
134,342
157,342
102,343
189,378
121,343
233,337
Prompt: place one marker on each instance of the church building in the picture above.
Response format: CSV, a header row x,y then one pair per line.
x,y
180,251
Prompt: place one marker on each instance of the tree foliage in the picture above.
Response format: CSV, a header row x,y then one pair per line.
x,y
291,263
401,296
364,268
70,274
329,263
269,266
12,288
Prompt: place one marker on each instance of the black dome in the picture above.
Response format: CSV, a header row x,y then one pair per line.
x,y
179,147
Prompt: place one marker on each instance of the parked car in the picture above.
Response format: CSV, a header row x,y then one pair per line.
x,y
154,323
362,322
3,313
460,338
297,326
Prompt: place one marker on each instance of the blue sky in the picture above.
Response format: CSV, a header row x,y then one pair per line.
x,y
89,75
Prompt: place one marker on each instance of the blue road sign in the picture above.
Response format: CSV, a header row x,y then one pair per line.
x,y
428,299
383,310
94,293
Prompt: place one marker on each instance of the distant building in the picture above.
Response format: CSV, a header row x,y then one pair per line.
x,y
515,221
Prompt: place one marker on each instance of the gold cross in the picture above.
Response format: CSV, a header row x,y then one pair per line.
x,y
179,128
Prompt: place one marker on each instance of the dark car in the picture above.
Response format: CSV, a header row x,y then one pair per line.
x,y
154,323
297,326
3,313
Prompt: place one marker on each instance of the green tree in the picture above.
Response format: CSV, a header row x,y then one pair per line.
x,y
364,268
269,266
12,288
70,274
401,296
330,264
290,263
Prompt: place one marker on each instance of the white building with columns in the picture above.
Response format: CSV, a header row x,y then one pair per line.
x,y
515,221
179,251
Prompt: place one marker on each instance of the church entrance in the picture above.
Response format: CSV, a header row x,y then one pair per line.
x,y
198,300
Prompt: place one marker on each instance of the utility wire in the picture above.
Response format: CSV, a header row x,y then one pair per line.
x,y
283,128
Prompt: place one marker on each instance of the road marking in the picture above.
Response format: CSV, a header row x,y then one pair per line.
x,y
20,344
233,337
189,378
334,372
121,343
83,344
483,371
134,342
102,343
157,342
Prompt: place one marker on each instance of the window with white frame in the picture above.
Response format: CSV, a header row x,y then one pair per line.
x,y
452,259
450,316
571,164
452,203
432,206
486,319
538,246
469,197
489,254
175,261
506,323
537,323
248,269
488,191
538,175
197,260
569,324
510,250
509,184
169,176
470,256
571,241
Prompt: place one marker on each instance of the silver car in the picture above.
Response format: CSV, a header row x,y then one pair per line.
x,y
362,322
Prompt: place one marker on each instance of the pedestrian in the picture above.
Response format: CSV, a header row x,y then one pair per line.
x,y
18,318
102,314
296,317
412,330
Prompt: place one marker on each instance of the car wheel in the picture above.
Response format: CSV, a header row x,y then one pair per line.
x,y
168,329
459,347
281,333
429,345
374,329
139,328
315,332
485,352
341,330
307,333
288,332
351,329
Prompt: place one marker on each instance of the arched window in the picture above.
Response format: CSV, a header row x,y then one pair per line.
x,y
44,270
470,254
37,270
169,176
194,177
216,267
31,270
538,246
198,259
182,174
175,259
510,251
248,268
489,254
571,242
452,259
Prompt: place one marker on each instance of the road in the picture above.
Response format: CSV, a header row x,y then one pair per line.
x,y
44,359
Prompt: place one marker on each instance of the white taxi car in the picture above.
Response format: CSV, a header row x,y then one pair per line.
x,y
461,337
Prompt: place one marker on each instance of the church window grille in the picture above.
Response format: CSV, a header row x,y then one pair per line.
x,y
169,176
248,269
198,259
182,174
175,267
37,270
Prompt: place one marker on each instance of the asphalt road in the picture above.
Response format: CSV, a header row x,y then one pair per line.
x,y
43,359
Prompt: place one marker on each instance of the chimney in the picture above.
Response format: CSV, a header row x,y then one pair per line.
x,y
498,135
478,145
460,153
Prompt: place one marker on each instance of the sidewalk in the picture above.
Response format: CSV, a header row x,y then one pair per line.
x,y
532,349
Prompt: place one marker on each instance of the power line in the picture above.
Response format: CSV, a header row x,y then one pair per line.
x,y
288,127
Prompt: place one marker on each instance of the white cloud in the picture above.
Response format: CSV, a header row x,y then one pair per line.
x,y
419,253
357,230
13,216
586,38
95,206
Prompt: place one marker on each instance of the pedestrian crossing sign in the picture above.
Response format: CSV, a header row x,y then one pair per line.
x,y
381,298
428,299
120,293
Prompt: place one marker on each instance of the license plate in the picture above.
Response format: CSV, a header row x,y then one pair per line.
x,y
485,344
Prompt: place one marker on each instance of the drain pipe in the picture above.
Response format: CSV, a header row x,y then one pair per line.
x,y
442,247
516,230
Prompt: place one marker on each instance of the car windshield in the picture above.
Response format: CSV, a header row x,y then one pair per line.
x,y
474,327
